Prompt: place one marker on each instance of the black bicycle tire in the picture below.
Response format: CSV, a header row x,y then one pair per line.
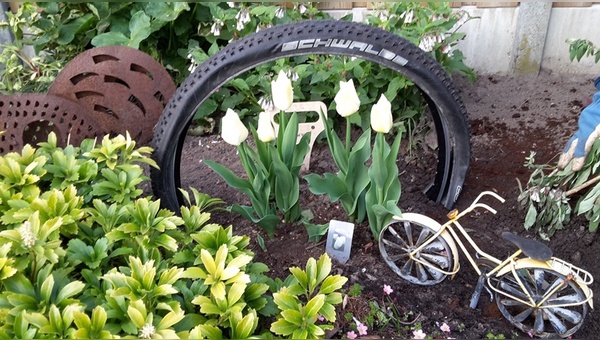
x,y
329,38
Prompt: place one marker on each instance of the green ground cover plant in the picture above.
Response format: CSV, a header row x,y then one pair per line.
x,y
84,254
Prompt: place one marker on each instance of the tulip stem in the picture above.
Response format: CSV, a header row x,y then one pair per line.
x,y
245,161
348,135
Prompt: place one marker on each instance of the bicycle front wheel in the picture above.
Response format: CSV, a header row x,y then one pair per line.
x,y
332,38
403,236
561,314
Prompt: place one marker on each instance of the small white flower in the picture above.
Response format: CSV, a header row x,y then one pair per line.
x,y
27,236
383,15
192,67
535,195
215,29
346,99
266,104
427,43
231,4
408,16
381,115
292,75
266,131
148,331
302,9
233,130
283,92
243,17
279,12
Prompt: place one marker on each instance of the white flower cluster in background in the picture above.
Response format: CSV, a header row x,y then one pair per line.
x,y
215,29
27,236
243,17
193,63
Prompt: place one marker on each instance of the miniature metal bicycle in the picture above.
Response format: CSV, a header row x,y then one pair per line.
x,y
538,293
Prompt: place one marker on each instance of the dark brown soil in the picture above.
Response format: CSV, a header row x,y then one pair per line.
x,y
509,116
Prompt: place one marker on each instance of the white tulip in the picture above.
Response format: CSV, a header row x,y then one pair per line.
x,y
346,100
265,131
233,130
381,115
283,93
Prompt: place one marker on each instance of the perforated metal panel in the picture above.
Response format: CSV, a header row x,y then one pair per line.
x,y
125,89
29,118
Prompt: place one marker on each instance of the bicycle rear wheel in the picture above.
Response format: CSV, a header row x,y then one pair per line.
x,y
562,313
336,38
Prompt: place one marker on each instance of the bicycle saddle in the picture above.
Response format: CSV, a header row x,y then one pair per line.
x,y
532,248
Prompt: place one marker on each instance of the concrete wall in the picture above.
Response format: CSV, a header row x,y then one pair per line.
x,y
489,45
493,43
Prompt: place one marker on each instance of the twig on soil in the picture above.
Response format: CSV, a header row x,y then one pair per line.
x,y
315,245
583,186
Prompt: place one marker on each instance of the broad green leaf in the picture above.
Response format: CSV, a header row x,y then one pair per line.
x,y
332,283
531,216
109,39
139,29
292,316
285,301
314,305
69,290
283,327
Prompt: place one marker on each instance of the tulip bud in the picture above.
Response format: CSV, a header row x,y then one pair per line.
x,y
346,100
265,131
381,115
283,93
233,130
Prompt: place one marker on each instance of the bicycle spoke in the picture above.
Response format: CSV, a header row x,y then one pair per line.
x,y
407,268
434,246
394,245
526,280
398,257
421,272
438,260
397,236
538,275
523,315
422,237
516,291
408,231
567,299
567,314
556,323
538,326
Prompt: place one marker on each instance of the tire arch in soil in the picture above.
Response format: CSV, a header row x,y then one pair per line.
x,y
326,38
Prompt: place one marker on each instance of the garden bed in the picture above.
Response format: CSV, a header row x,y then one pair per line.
x,y
509,117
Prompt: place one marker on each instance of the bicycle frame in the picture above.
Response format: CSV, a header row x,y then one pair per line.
x,y
512,264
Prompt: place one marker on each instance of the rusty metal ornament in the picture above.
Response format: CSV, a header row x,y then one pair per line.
x,y
124,88
28,119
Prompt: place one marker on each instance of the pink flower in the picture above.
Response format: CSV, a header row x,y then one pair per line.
x,y
351,335
445,328
418,334
362,329
387,289
320,318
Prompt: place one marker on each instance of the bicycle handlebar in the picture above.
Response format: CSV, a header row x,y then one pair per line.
x,y
476,203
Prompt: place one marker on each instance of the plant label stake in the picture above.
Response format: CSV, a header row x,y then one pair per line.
x,y
339,240
315,128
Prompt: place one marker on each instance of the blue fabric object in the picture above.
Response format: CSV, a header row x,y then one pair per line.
x,y
589,120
